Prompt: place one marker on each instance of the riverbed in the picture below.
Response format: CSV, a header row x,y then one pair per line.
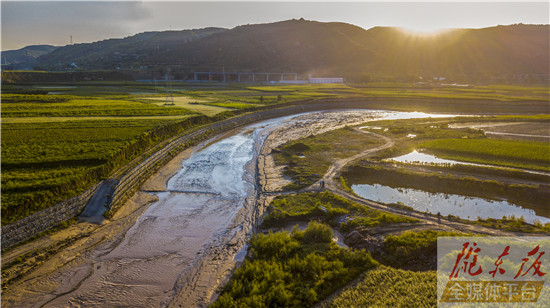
x,y
182,246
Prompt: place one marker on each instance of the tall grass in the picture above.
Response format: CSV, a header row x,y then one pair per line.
x,y
388,287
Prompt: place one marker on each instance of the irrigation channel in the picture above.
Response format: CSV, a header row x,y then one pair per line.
x,y
184,245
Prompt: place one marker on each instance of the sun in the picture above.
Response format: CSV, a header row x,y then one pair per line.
x,y
424,31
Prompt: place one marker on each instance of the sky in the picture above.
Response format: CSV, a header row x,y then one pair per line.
x,y
45,22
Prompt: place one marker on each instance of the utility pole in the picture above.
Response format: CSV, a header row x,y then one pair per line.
x,y
71,39
27,58
168,89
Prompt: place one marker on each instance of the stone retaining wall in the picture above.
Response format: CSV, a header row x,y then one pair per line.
x,y
30,226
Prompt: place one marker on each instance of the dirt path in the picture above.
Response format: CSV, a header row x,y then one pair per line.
x,y
337,166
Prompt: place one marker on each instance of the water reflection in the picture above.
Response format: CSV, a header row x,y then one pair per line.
x,y
417,157
464,207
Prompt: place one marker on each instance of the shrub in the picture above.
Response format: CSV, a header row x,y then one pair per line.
x,y
318,233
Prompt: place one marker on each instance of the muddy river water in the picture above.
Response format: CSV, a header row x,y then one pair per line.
x,y
201,211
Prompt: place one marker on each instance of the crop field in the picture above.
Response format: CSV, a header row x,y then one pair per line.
x,y
385,286
85,107
45,163
494,92
196,105
455,139
21,120
439,98
510,153
56,146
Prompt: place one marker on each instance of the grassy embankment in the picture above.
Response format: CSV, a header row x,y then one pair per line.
x,y
328,208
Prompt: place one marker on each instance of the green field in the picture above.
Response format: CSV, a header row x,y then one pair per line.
x,y
190,103
509,153
434,136
86,107
166,118
55,146
397,90
413,249
45,163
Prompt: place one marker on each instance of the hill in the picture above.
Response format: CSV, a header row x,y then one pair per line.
x,y
133,50
324,49
25,58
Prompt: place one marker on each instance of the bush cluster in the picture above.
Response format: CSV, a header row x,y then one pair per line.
x,y
294,269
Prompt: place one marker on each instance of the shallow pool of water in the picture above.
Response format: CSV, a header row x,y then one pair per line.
x,y
446,204
416,157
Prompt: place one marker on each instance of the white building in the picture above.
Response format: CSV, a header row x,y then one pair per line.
x,y
325,79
